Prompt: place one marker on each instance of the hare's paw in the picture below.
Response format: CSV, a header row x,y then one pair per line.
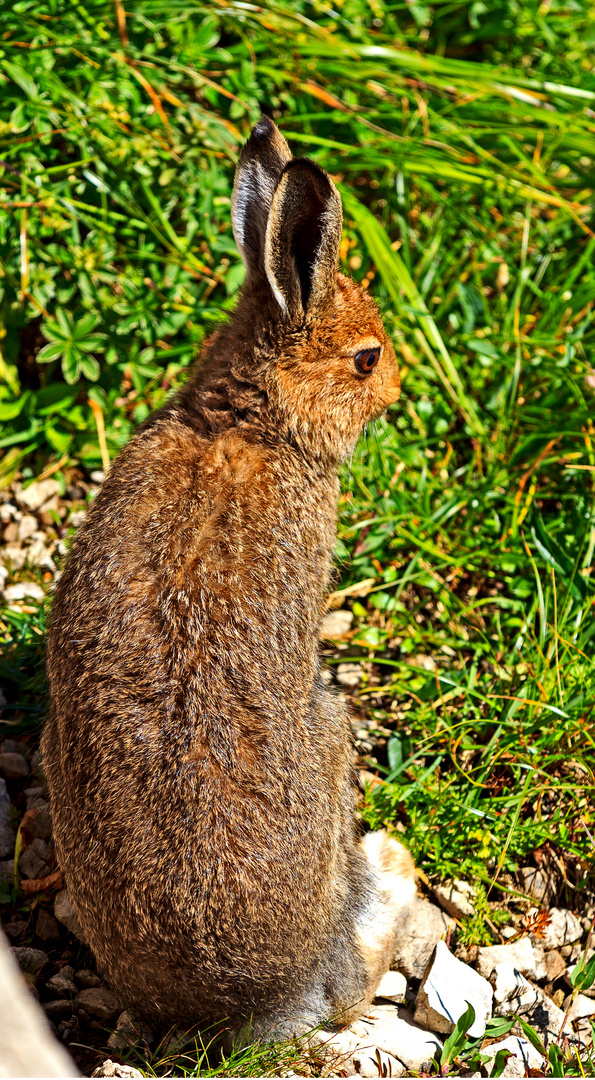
x,y
389,857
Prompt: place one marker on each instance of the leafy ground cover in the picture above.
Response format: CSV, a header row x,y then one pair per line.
x,y
462,138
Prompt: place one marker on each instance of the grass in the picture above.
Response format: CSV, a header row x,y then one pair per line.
x,y
462,138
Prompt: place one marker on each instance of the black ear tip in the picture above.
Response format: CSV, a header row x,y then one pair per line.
x,y
263,129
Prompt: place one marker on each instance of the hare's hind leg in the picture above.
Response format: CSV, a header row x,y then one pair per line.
x,y
345,977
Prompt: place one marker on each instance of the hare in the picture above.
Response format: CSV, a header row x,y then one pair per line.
x,y
201,777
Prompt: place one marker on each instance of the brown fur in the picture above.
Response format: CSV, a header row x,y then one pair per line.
x,y
201,777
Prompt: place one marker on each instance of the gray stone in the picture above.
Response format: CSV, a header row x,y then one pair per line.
x,y
393,986
36,494
40,824
426,926
30,961
446,991
7,871
63,983
100,1002
537,883
533,1005
58,1009
7,834
522,1052
46,927
518,953
65,913
86,978
555,965
13,767
335,625
130,1031
457,898
563,928
34,861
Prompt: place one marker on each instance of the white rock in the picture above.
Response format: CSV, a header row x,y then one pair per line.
x,y
22,591
536,1007
393,986
14,555
65,913
349,674
448,988
335,624
39,555
562,929
508,983
113,1068
581,1007
349,1054
522,1052
391,1029
98,476
36,494
27,526
457,898
518,953
426,925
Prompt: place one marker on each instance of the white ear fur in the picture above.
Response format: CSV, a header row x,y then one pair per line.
x,y
261,163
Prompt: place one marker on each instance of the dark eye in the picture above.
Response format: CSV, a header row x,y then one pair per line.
x,y
366,360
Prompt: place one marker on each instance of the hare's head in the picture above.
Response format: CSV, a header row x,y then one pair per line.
x,y
331,367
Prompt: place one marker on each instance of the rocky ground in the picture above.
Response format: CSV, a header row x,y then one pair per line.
x,y
526,975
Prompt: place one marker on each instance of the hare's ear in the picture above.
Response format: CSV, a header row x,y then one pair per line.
x,y
303,238
261,163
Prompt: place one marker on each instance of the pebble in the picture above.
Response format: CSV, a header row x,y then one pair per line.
x,y
15,556
563,928
66,914
582,1006
86,978
393,987
446,991
63,983
518,953
100,1002
7,833
457,898
129,1032
15,930
23,590
522,1052
7,871
46,927
536,1007
30,961
58,1009
13,767
426,926
391,1029
35,859
555,965
335,625
113,1068
349,1054
34,496
349,674
536,883
27,526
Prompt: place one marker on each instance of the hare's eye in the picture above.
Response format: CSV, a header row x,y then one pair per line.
x,y
366,360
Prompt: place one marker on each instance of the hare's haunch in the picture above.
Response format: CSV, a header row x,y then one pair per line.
x,y
201,777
